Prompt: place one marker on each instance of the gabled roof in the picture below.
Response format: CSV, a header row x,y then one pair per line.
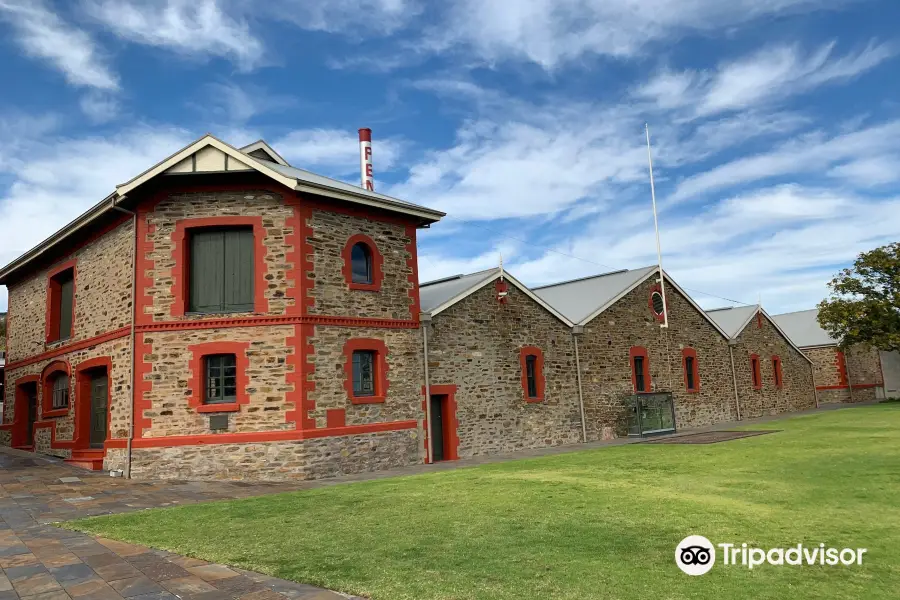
x,y
260,149
583,299
440,294
733,319
211,155
804,329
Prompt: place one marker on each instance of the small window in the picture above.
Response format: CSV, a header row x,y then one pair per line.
x,y
657,301
361,263
221,270
639,379
363,373
221,379
531,375
60,391
754,372
689,372
776,371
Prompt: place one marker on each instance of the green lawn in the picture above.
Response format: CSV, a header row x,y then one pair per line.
x,y
591,524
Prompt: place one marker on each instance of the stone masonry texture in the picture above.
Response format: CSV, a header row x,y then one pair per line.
x,y
475,345
797,392
862,365
102,295
606,364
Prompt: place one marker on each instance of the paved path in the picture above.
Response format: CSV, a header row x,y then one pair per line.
x,y
42,562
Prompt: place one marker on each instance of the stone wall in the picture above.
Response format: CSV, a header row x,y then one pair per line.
x,y
475,345
119,353
328,236
273,461
862,367
606,363
102,295
760,337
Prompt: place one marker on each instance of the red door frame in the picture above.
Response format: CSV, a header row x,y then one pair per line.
x,y
82,437
19,436
450,422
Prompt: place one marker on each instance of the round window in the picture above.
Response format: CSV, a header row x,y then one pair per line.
x,y
657,300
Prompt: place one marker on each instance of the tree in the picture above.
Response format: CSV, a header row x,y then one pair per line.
x,y
864,305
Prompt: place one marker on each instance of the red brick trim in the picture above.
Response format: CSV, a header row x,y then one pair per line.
x,y
755,370
381,368
777,373
655,288
51,322
451,422
300,377
856,386
840,362
258,321
634,352
81,345
142,384
19,426
181,256
196,383
47,410
377,263
82,434
524,352
685,353
501,288
286,435
759,320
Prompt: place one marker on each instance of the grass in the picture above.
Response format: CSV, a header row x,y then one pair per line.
x,y
592,524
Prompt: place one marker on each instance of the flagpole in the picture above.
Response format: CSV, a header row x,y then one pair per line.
x,y
662,283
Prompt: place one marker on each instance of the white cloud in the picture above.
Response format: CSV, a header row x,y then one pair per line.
x,y
236,104
362,18
192,28
99,107
335,151
770,74
42,34
870,171
551,32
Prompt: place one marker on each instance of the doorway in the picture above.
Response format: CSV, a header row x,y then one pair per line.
x,y
437,428
30,390
651,414
99,407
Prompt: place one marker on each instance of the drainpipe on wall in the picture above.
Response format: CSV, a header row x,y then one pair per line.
x,y
425,321
576,331
133,312
737,398
849,378
812,369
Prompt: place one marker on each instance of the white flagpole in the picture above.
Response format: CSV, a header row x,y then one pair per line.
x,y
662,283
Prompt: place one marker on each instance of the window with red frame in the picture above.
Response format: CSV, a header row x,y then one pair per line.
x,y
62,304
531,361
691,370
755,375
776,372
640,369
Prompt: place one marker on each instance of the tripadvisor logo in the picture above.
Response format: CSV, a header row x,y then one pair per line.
x,y
696,555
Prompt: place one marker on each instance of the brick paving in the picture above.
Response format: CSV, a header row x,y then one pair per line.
x,y
42,562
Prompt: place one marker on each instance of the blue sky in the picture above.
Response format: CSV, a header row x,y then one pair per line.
x,y
776,123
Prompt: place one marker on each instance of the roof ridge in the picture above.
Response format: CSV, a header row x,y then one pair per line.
x,y
794,312
457,276
607,274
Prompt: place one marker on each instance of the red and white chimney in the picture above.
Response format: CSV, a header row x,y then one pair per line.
x,y
365,159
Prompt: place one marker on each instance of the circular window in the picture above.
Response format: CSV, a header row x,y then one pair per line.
x,y
657,300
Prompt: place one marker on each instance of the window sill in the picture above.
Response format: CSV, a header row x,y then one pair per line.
x,y
365,287
367,399
223,313
223,407
57,412
692,390
534,400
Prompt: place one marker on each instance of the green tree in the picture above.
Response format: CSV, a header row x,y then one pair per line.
x,y
864,305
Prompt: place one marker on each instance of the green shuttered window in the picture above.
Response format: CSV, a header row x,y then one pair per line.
x,y
221,271
66,297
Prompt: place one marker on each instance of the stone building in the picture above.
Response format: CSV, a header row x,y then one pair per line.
x,y
772,375
223,314
227,315
855,374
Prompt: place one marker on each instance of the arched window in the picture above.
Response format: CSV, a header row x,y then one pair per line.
x,y
60,382
361,263
657,303
55,390
657,300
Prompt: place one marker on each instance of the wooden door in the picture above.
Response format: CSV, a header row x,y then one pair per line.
x,y
99,398
437,429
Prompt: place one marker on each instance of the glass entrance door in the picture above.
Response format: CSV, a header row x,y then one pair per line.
x,y
651,413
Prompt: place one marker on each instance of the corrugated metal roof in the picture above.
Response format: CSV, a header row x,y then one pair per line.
x,y
328,182
732,319
580,298
803,328
433,294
